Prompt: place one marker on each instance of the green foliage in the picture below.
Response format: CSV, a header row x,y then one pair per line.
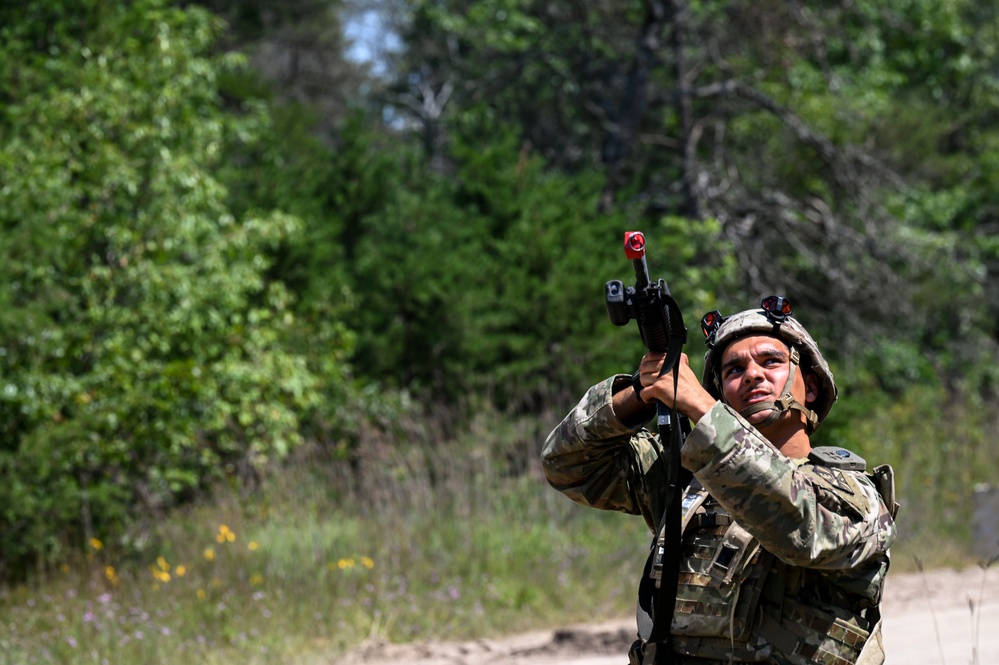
x,y
142,342
807,128
443,309
161,325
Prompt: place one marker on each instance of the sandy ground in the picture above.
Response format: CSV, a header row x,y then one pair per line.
x,y
941,617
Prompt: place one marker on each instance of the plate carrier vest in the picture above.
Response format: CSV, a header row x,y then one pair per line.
x,y
737,602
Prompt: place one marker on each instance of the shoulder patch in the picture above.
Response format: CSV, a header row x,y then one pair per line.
x,y
833,478
837,458
843,484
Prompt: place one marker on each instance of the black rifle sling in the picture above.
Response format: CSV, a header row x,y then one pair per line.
x,y
656,606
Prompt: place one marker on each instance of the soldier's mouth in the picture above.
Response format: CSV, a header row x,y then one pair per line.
x,y
757,396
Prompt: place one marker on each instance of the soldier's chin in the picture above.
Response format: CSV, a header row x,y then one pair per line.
x,y
759,416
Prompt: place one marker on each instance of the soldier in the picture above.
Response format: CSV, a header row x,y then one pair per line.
x,y
784,548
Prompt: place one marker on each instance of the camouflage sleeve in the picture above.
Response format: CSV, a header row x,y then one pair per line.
x,y
597,461
807,515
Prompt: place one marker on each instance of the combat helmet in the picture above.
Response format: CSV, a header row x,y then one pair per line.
x,y
772,318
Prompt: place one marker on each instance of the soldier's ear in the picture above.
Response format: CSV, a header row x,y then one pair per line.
x,y
811,388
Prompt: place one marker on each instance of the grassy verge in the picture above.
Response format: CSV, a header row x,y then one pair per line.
x,y
427,537
294,584
449,540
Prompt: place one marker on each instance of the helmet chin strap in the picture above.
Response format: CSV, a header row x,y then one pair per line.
x,y
785,402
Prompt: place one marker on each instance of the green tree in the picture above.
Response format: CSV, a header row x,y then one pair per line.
x,y
823,140
297,50
489,281
142,345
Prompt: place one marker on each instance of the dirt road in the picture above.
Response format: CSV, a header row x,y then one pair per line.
x,y
941,617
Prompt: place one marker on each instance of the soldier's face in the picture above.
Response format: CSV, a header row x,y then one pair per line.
x,y
755,369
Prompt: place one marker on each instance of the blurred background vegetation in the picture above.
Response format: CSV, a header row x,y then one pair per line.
x,y
326,272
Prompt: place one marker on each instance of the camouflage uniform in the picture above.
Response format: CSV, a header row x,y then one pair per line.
x,y
814,551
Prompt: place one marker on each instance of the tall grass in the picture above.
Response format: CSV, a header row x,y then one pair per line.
x,y
429,534
940,447
422,538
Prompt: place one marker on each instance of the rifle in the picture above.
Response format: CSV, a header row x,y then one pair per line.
x,y
660,324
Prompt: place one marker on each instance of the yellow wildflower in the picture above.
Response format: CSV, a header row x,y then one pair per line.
x,y
160,575
367,562
96,544
210,554
180,571
225,534
252,546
